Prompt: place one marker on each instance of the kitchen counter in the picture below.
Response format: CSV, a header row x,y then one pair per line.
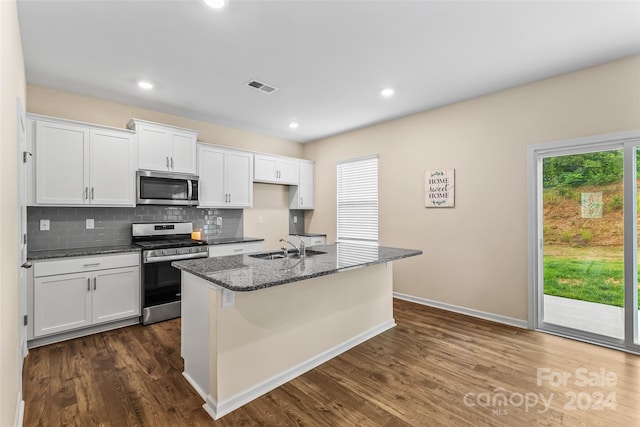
x,y
237,346
78,252
229,240
245,273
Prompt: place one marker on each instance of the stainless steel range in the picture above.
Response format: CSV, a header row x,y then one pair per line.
x,y
161,244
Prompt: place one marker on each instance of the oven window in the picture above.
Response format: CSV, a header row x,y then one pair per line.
x,y
163,188
161,283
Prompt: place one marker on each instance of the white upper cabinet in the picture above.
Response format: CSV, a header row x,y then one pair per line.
x,y
225,179
275,169
165,148
78,164
301,196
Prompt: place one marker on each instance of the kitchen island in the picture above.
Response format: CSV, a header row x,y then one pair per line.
x,y
250,324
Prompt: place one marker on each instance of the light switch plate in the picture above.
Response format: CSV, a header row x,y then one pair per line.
x,y
219,220
295,219
90,223
260,219
45,225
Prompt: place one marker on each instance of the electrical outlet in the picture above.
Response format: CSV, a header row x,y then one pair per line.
x,y
45,225
228,298
295,219
90,224
219,220
260,219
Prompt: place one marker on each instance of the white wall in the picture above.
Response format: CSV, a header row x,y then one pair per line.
x,y
12,78
475,255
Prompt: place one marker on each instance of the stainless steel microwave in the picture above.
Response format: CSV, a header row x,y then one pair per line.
x,y
166,188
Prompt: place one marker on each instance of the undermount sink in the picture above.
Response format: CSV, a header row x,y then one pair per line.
x,y
283,254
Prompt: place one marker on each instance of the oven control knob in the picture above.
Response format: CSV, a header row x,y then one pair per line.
x,y
164,252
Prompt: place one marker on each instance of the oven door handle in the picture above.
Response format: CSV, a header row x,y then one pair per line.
x,y
175,257
189,190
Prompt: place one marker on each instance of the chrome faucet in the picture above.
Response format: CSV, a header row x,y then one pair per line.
x,y
301,249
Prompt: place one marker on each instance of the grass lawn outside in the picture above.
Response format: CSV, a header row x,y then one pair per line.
x,y
587,275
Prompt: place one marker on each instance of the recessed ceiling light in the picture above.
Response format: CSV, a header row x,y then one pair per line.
x,y
293,125
145,85
216,4
387,92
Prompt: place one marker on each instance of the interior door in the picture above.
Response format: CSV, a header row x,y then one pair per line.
x,y
24,156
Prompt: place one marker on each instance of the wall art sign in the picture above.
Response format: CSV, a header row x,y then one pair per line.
x,y
439,188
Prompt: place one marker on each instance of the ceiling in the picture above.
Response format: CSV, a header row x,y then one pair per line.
x,y
328,59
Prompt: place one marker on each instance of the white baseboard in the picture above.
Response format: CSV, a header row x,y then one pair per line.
x,y
219,409
519,323
19,417
195,386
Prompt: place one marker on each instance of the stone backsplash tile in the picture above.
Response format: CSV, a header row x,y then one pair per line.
x,y
112,226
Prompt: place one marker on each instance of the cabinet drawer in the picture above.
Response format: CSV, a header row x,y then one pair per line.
x,y
79,264
313,241
236,249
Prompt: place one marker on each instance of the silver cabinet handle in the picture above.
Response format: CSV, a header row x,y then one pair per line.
x,y
93,264
92,193
88,284
301,201
238,250
86,192
172,163
229,197
95,283
167,162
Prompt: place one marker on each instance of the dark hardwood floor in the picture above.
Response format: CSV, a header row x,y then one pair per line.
x,y
435,368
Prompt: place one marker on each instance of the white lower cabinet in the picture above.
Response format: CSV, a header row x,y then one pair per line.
x,y
236,248
309,240
73,293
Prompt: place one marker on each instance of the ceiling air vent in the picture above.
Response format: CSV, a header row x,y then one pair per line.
x,y
261,86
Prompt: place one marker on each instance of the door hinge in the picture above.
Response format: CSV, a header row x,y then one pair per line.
x,y
25,155
26,320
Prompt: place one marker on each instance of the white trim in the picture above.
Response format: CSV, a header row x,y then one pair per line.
x,y
512,321
371,156
51,339
220,409
19,417
195,385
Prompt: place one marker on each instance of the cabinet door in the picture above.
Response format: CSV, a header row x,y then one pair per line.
x,y
288,172
154,148
211,192
239,184
305,187
62,153
265,168
183,156
115,294
111,172
61,303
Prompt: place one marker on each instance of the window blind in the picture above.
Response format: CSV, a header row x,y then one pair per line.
x,y
358,200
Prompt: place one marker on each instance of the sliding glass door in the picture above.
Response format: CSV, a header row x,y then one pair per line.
x,y
584,240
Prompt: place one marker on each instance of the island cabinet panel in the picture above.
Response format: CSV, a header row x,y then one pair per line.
x,y
235,352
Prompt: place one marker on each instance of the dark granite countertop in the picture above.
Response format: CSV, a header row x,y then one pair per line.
x,y
246,273
77,252
227,240
308,234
